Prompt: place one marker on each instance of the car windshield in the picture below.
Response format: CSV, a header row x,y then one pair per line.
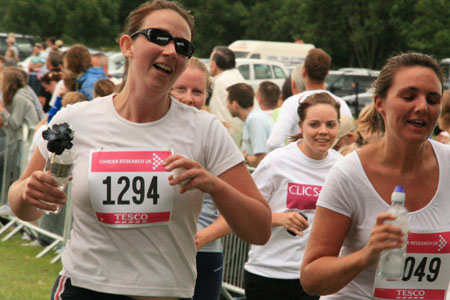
x,y
331,78
240,54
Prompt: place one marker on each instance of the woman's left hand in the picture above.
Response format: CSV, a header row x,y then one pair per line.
x,y
200,239
193,175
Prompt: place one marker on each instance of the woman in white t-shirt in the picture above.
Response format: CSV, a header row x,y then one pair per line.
x,y
349,231
192,89
134,223
290,178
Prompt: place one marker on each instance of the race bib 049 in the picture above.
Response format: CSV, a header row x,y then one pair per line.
x,y
426,274
129,188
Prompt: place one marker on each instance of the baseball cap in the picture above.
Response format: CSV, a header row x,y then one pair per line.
x,y
346,125
59,43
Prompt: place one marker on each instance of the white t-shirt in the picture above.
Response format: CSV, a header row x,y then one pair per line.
x,y
287,122
149,261
349,192
58,86
218,101
257,128
288,180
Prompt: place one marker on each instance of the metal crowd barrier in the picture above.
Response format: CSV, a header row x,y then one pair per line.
x,y
52,230
235,252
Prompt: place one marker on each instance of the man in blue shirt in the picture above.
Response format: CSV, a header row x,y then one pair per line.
x,y
257,124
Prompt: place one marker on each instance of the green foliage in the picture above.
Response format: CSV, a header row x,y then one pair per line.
x,y
356,33
431,32
217,22
324,24
91,22
260,22
95,22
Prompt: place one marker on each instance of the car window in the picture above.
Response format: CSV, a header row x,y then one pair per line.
x,y
245,71
331,78
262,71
240,54
279,73
365,82
24,45
256,55
344,83
116,61
3,45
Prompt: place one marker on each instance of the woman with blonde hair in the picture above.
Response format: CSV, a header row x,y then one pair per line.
x,y
192,88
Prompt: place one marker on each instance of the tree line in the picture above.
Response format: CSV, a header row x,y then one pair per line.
x,y
356,33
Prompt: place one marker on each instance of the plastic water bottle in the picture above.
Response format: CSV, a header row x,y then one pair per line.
x,y
60,167
392,261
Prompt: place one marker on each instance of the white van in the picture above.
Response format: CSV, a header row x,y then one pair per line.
x,y
445,66
287,53
256,71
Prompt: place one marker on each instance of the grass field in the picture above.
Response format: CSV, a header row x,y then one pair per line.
x,y
22,275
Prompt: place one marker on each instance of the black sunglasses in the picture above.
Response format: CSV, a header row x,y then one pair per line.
x,y
360,141
162,38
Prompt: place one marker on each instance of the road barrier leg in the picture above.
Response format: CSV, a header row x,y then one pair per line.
x,y
17,229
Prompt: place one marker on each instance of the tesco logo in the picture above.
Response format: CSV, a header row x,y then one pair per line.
x,y
410,293
131,218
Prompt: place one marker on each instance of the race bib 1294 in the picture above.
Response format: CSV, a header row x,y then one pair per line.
x,y
129,188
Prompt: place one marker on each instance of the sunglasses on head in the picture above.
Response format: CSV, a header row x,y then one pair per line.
x,y
162,38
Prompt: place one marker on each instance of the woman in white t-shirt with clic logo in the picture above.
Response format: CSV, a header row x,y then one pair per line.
x,y
290,179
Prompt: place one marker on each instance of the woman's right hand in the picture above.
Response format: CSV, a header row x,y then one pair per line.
x,y
42,186
383,236
294,222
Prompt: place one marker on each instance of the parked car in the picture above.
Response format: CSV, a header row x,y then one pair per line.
x,y
116,64
445,66
346,81
285,52
256,71
362,100
24,44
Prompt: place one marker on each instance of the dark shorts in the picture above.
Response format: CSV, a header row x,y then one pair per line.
x,y
209,276
264,288
64,290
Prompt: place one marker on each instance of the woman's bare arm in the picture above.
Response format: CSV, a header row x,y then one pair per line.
x,y
234,193
34,185
322,271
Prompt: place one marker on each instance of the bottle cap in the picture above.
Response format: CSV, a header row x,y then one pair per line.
x,y
399,189
398,196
